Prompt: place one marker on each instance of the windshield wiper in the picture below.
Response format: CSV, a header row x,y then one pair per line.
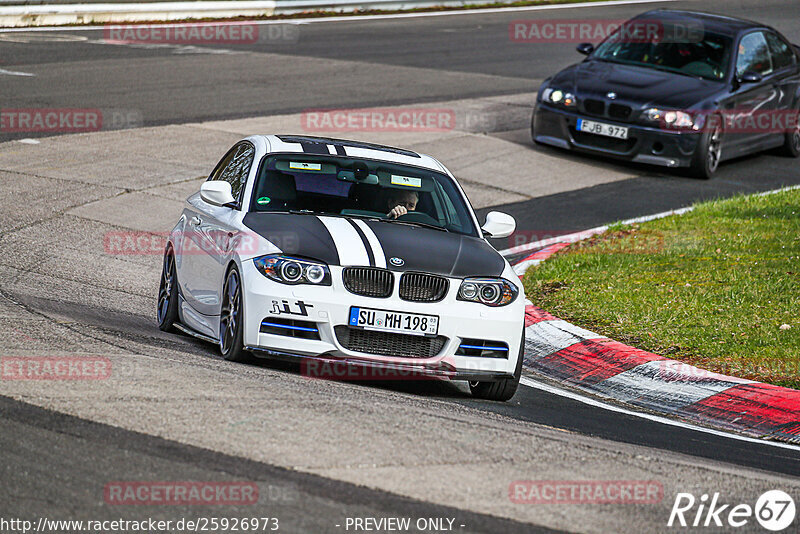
x,y
415,223
309,212
673,70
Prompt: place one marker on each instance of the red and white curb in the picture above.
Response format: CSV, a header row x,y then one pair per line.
x,y
569,354
612,370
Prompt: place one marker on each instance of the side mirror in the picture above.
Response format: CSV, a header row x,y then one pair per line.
x,y
499,224
217,192
585,48
750,77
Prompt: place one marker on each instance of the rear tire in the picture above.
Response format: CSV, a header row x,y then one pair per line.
x,y
167,306
708,153
231,320
791,143
501,390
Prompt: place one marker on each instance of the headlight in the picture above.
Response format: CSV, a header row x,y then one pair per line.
x,y
559,97
288,270
671,119
489,291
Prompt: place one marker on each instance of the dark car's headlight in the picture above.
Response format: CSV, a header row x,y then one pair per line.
x,y
672,118
288,270
559,97
489,291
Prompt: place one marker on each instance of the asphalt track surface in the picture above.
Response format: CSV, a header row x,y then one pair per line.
x,y
334,65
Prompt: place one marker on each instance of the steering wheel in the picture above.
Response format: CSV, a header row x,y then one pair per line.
x,y
420,217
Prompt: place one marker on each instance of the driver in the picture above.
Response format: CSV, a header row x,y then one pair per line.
x,y
401,202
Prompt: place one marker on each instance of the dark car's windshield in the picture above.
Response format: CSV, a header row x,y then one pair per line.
x,y
680,47
351,187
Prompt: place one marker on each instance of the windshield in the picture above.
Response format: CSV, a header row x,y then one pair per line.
x,y
673,48
361,188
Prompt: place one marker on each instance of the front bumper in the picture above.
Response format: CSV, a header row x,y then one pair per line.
x,y
651,145
328,307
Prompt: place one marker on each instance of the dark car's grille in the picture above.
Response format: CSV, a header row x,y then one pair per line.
x,y
603,142
619,111
368,281
421,287
389,344
595,107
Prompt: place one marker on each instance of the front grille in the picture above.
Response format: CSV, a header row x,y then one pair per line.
x,y
388,343
368,281
619,111
421,287
604,142
595,107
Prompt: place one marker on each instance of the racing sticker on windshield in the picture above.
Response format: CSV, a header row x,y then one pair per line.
x,y
303,166
406,181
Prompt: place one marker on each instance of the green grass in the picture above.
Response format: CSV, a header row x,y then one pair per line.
x,y
711,287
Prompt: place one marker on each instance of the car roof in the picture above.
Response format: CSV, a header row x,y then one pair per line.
x,y
721,24
327,145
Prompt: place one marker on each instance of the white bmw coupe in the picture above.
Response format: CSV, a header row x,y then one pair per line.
x,y
346,252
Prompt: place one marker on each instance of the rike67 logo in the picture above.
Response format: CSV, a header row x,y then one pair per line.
x,y
774,510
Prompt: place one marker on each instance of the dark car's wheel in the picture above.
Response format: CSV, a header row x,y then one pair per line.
x,y
708,153
504,389
791,145
231,320
167,311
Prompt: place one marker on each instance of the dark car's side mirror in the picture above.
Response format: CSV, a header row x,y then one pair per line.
x,y
750,77
585,48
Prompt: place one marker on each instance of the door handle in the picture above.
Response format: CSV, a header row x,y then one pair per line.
x,y
195,221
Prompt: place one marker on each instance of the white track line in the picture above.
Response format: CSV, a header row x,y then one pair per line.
x,y
583,234
527,381
356,18
15,73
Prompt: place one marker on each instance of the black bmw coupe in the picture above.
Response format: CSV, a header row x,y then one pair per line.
x,y
676,89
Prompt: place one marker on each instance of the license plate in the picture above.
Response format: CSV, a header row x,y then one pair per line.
x,y
392,321
601,128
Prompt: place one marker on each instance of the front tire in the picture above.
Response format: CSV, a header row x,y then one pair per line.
x,y
708,153
501,390
791,143
167,307
231,320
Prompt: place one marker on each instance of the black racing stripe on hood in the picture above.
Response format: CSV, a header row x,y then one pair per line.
x,y
298,235
433,251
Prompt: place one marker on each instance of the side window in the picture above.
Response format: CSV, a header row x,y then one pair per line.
x,y
753,55
782,54
235,167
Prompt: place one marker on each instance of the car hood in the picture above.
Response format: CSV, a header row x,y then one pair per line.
x,y
637,86
400,247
